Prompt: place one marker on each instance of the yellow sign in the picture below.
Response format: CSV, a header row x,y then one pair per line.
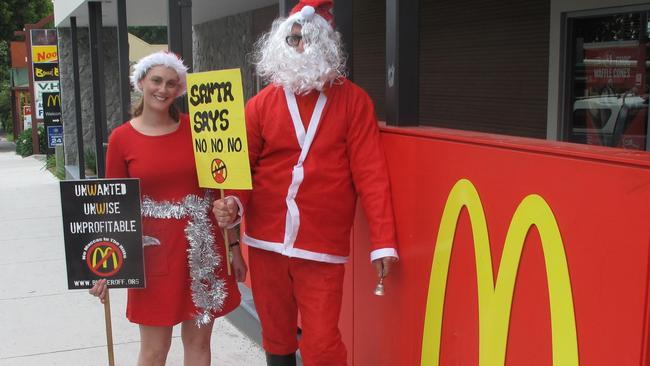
x,y
42,54
495,300
216,106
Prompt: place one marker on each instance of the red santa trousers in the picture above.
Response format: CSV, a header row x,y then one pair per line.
x,y
284,286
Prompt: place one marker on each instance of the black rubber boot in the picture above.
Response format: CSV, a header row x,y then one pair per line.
x,y
281,360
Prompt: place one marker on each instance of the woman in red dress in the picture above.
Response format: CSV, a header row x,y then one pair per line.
x,y
184,255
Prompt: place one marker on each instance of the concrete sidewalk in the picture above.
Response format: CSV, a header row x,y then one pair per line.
x,y
44,323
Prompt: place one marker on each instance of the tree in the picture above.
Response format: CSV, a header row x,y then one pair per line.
x,y
150,34
14,14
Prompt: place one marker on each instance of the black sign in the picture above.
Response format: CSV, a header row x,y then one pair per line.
x,y
52,107
52,119
46,71
102,230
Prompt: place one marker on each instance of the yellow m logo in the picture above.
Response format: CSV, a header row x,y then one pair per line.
x,y
53,100
100,253
495,301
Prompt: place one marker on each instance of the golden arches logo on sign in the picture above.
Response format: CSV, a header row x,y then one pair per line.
x,y
53,100
105,258
495,300
99,253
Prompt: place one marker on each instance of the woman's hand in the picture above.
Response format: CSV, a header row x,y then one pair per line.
x,y
239,268
99,290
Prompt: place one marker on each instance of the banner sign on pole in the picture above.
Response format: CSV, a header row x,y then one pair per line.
x,y
52,107
54,136
46,72
216,106
52,120
40,88
45,66
27,117
102,230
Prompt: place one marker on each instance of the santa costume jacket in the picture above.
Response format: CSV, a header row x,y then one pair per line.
x,y
311,155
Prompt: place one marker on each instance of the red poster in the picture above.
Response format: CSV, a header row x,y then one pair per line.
x,y
615,67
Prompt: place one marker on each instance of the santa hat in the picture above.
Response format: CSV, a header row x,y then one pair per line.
x,y
164,58
307,8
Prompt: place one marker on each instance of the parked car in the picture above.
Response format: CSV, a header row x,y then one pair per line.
x,y
611,120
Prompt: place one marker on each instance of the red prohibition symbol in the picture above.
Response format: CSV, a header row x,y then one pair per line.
x,y
219,171
104,258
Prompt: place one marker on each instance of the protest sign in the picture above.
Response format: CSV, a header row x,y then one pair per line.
x,y
102,231
216,106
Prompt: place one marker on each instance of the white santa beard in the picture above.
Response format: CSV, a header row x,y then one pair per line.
x,y
299,72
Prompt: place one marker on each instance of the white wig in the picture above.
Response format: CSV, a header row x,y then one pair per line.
x,y
321,63
160,58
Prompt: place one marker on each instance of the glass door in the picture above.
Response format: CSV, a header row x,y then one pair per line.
x,y
609,80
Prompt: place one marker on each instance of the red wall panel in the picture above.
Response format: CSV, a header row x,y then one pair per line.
x,y
598,197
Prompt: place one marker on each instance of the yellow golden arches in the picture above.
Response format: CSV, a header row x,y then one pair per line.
x,y
494,302
99,253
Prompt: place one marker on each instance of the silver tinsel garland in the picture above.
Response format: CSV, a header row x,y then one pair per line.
x,y
208,292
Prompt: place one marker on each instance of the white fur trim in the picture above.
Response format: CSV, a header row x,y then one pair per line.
x,y
383,252
306,14
163,58
292,252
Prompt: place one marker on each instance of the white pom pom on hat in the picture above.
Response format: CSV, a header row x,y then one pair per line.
x,y
307,9
307,12
161,58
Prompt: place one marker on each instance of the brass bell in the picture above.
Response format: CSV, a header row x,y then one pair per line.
x,y
379,290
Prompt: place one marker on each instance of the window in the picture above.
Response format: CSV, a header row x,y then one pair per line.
x,y
609,80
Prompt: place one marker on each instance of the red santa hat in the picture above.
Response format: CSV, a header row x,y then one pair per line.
x,y
324,8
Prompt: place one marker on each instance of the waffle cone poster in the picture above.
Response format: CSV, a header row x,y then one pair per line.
x,y
216,107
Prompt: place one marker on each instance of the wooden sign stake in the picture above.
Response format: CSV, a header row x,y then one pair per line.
x,y
226,243
109,329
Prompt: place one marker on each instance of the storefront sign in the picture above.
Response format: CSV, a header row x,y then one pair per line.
x,y
102,231
27,117
41,87
54,136
45,66
44,54
51,107
495,299
46,72
512,252
52,120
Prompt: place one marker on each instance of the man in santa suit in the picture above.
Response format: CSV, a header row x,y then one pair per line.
x,y
314,147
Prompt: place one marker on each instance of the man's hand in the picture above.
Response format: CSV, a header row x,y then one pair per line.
x,y
225,211
238,264
382,265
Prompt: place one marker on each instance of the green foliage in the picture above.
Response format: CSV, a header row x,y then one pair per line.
x,y
91,160
24,142
153,35
5,90
6,124
14,14
57,171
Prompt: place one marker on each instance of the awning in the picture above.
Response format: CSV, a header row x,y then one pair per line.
x,y
151,12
